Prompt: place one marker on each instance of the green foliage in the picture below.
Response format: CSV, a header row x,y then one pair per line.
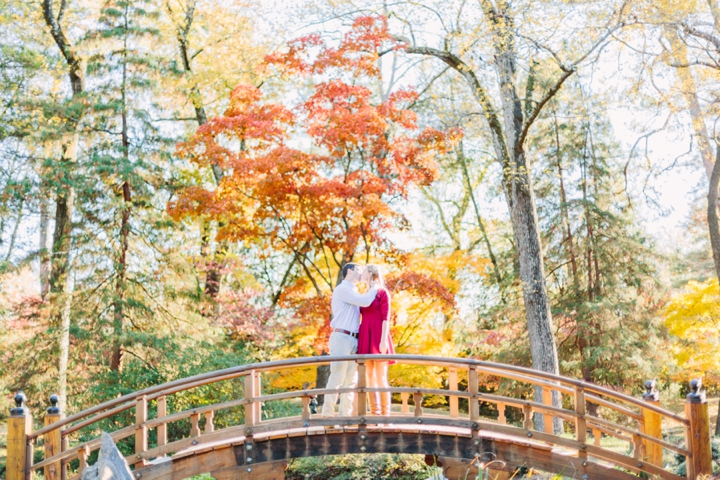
x,y
360,467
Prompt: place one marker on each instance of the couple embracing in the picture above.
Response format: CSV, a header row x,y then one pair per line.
x,y
349,337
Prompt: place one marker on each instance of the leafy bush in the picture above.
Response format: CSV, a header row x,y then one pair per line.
x,y
360,467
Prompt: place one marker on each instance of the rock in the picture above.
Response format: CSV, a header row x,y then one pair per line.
x,y
111,464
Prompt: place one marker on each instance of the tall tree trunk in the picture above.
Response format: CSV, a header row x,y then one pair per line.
x,y
43,246
216,262
523,212
508,137
689,92
58,282
121,264
564,211
481,224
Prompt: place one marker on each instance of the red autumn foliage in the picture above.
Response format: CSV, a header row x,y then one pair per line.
x,y
322,203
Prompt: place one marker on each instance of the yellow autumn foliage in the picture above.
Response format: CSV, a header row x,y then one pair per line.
x,y
694,319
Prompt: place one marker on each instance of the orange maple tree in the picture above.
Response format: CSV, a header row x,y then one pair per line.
x,y
317,180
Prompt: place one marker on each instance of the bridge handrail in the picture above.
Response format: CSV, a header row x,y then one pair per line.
x,y
234,372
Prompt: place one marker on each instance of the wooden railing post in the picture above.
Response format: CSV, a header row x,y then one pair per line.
x,y
19,450
453,385
580,423
362,384
547,418
653,425
162,429
250,407
473,402
53,440
698,443
404,408
141,436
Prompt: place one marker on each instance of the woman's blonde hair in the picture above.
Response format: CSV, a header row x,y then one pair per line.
x,y
375,274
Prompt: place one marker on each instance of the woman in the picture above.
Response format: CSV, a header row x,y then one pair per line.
x,y
374,338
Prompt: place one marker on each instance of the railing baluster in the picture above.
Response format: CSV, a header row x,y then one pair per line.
x,y
362,383
580,423
453,385
418,399
404,407
209,425
83,454
195,424
306,407
638,447
597,436
501,414
53,440
527,417
161,429
473,403
141,437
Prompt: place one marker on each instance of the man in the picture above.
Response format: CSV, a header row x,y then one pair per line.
x,y
346,303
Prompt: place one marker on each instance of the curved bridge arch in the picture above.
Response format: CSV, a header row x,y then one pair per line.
x,y
448,435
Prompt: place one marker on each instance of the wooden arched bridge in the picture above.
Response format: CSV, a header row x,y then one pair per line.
x,y
460,439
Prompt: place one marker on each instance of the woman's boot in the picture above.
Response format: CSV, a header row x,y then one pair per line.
x,y
374,407
385,402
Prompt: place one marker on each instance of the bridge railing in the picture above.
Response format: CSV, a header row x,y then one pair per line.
x,y
641,426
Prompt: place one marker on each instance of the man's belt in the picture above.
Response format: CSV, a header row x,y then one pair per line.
x,y
346,332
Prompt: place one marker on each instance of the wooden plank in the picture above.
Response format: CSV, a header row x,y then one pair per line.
x,y
53,446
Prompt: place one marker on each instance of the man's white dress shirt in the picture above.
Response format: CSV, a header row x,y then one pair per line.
x,y
346,303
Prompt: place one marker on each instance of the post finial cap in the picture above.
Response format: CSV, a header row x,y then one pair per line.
x,y
54,408
651,394
20,408
696,395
